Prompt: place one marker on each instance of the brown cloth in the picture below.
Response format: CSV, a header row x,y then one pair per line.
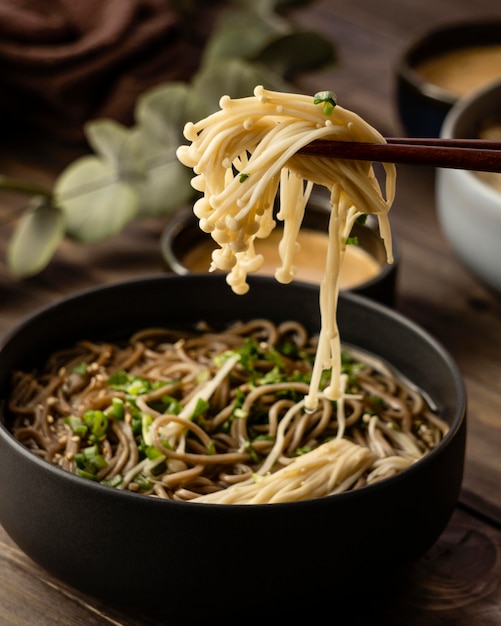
x,y
63,62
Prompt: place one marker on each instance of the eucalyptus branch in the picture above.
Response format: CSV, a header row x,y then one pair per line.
x,y
132,173
22,186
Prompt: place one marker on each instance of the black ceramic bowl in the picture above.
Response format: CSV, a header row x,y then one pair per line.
x,y
182,237
423,105
197,562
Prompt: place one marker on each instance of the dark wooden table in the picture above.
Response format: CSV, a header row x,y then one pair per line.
x,y
459,581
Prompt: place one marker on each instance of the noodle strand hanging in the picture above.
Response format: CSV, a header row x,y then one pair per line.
x,y
244,153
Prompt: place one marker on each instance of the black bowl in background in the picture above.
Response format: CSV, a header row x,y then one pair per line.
x,y
183,234
422,106
196,562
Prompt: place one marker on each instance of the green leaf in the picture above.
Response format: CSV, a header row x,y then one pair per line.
x,y
135,171
236,78
117,409
297,52
35,239
112,142
166,184
162,112
21,186
96,202
268,6
166,188
242,34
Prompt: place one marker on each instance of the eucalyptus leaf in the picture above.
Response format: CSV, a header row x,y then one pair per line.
x,y
22,186
166,188
282,5
36,238
297,52
162,112
265,7
166,184
111,141
134,171
97,203
241,34
236,78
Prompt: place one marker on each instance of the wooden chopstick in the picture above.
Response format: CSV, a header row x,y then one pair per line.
x,y
466,154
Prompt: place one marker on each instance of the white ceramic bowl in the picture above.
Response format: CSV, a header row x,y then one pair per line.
x,y
469,209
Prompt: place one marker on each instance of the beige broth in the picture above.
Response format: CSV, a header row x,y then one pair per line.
x,y
358,266
462,71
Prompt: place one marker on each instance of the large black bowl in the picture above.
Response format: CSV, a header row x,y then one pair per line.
x,y
192,561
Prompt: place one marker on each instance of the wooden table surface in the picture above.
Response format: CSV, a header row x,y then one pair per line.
x,y
459,580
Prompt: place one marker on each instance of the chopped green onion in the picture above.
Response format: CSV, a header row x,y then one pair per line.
x,y
117,409
146,422
243,177
220,359
203,375
152,452
83,474
329,100
76,425
301,451
89,461
113,482
133,385
264,438
142,482
212,447
251,451
81,368
171,405
97,421
201,407
275,375
290,349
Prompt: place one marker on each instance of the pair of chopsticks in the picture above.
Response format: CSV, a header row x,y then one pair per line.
x,y
465,154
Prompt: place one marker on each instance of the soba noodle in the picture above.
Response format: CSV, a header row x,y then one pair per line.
x,y
244,154
219,416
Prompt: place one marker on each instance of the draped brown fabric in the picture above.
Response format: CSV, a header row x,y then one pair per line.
x,y
63,62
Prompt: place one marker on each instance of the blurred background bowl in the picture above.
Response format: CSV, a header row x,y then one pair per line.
x,y
469,203
440,65
197,563
187,249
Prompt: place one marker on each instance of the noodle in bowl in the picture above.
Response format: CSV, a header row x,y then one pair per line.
x,y
121,546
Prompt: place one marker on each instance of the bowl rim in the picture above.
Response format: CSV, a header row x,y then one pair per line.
x,y
457,422
425,37
453,117
180,220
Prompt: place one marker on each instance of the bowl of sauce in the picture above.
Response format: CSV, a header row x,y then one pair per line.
x,y
187,249
438,67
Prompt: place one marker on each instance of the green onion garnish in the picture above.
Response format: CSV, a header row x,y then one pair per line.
x,y
328,99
